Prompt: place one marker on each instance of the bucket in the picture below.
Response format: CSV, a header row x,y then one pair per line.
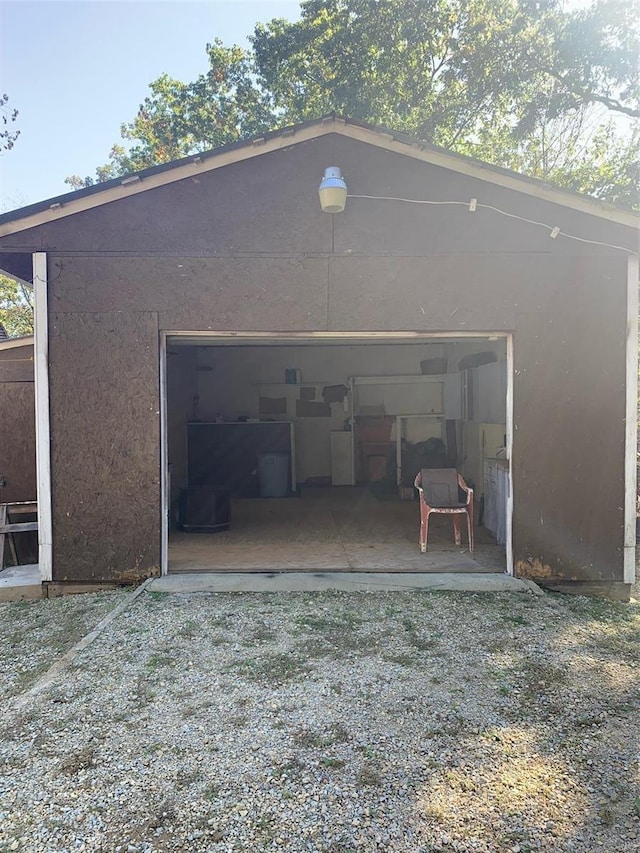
x,y
292,376
273,475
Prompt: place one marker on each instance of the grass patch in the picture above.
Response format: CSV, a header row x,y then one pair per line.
x,y
416,639
331,761
83,759
274,668
261,633
158,660
402,658
189,630
332,636
157,595
290,766
321,738
369,775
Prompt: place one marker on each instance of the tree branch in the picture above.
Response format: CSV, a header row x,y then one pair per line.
x,y
587,95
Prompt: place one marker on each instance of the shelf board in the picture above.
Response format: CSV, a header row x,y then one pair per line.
x,y
398,380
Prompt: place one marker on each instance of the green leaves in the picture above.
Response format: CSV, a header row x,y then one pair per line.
x,y
519,83
16,307
7,117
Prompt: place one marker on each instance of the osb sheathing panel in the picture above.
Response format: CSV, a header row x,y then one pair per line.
x,y
105,439
17,439
441,293
461,293
17,370
18,355
569,446
384,226
269,294
464,292
270,204
267,203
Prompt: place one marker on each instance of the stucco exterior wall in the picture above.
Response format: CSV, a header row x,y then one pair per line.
x,y
246,248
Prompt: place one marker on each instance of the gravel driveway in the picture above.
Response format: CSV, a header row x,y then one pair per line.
x,y
401,721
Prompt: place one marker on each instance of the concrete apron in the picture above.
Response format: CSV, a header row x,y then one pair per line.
x,y
24,582
347,582
20,582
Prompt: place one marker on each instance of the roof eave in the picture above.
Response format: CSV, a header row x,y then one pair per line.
x,y
157,176
21,341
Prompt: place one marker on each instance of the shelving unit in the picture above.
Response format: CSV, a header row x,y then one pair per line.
x,y
412,399
402,422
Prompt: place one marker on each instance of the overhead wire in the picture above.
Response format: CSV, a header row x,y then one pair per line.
x,y
473,205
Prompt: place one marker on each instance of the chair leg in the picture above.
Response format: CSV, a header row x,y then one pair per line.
x,y
456,528
470,530
424,531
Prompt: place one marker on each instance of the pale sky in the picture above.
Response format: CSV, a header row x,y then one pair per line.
x,y
77,70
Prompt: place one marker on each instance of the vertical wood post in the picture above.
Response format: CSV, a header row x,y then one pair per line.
x,y
631,423
43,429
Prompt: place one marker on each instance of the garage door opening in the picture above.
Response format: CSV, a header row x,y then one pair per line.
x,y
299,453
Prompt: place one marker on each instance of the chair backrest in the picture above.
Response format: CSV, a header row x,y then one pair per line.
x,y
440,486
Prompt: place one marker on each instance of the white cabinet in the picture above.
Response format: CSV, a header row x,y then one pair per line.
x,y
341,459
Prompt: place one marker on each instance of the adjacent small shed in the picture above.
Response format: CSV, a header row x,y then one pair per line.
x,y
17,421
198,316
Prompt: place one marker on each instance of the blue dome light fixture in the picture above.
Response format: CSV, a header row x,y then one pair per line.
x,y
332,191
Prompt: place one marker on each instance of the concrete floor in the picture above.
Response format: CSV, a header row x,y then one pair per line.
x,y
331,530
320,581
18,582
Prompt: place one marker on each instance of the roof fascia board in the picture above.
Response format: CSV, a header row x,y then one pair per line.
x,y
10,343
292,136
17,278
194,167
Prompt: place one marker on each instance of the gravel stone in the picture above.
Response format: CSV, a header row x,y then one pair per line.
x,y
324,722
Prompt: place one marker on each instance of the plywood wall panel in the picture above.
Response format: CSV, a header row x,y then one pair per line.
x,y
468,292
105,446
18,355
269,203
17,440
199,293
386,226
568,452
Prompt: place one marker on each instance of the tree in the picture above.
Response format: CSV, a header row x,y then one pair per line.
x,y
177,119
8,115
594,57
16,306
518,83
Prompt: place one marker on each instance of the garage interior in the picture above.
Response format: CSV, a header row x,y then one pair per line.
x,y
301,455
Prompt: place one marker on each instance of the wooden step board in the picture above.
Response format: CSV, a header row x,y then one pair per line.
x,y
10,526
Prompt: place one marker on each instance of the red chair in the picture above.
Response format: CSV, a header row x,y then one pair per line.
x,y
439,490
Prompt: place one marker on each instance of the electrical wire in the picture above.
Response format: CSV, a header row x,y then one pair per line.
x,y
550,228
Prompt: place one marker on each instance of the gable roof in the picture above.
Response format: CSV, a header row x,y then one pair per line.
x,y
177,170
20,341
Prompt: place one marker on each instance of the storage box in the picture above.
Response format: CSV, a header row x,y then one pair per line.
x,y
205,509
374,428
433,366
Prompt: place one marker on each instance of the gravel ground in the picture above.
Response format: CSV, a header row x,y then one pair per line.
x,y
326,722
